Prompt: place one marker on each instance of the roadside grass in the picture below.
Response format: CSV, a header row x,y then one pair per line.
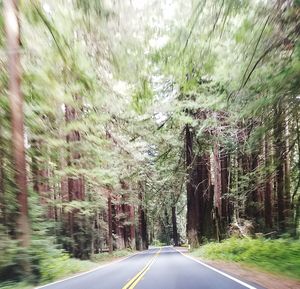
x,y
63,266
106,257
277,256
157,243
12,285
55,269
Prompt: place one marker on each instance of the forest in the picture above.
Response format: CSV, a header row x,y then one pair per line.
x,y
130,123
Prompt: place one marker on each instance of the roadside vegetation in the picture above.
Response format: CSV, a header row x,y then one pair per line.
x,y
280,256
50,264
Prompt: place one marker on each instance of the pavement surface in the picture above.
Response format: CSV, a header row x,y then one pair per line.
x,y
156,268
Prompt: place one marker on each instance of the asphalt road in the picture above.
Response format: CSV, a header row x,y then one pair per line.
x,y
159,268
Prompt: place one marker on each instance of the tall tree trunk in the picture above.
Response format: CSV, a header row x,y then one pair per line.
x,y
268,189
109,219
225,178
40,177
217,191
279,147
252,204
2,204
17,116
296,203
75,183
174,226
287,185
132,226
63,195
118,227
217,180
204,197
165,224
192,202
221,183
243,184
126,226
129,223
143,231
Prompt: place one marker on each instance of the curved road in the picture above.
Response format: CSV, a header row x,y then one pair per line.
x,y
159,268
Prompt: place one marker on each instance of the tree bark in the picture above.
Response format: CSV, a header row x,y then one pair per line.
x,y
268,189
129,223
2,203
252,204
227,211
221,183
40,177
109,213
75,183
218,201
279,147
204,197
17,117
192,202
287,185
132,226
143,231
217,180
118,227
174,226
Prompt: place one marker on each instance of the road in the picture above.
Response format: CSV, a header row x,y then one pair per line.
x,y
158,268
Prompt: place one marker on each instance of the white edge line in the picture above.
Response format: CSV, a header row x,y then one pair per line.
x,y
92,270
218,271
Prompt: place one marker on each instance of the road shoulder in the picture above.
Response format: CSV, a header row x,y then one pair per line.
x,y
99,265
253,275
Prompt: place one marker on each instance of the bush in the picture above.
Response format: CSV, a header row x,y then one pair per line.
x,y
8,249
157,243
102,257
281,256
45,263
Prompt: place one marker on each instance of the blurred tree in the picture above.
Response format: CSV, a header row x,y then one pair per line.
x,y
11,16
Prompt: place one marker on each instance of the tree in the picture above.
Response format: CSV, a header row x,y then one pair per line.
x,y
11,16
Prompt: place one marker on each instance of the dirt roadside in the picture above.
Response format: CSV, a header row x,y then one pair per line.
x,y
253,275
248,273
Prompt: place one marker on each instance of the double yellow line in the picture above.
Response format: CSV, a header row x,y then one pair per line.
x,y
137,278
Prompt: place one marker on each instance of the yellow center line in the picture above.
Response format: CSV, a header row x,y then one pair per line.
x,y
137,278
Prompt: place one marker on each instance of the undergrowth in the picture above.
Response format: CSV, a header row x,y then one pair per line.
x,y
278,256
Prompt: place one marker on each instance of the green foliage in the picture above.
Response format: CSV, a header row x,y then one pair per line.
x,y
61,265
8,249
281,256
106,257
158,243
12,285
142,97
46,262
